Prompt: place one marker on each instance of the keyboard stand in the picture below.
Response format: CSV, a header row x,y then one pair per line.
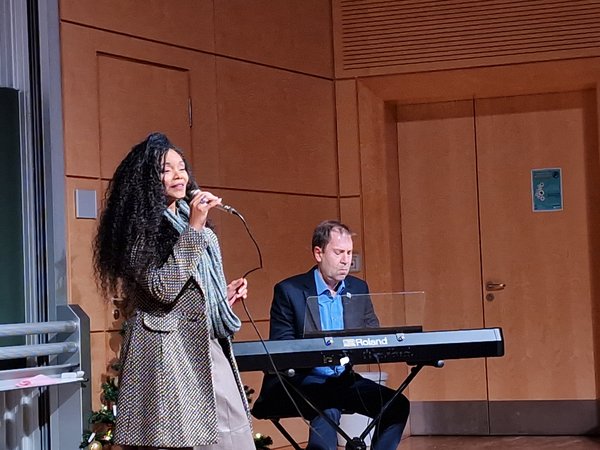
x,y
356,443
334,425
284,432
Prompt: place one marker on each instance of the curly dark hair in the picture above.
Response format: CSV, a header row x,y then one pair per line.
x,y
133,213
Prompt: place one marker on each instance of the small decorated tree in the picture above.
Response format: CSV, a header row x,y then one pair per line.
x,y
261,442
103,421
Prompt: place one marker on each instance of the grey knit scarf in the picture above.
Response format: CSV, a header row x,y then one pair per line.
x,y
210,275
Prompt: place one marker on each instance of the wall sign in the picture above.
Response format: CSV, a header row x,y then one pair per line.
x,y
546,189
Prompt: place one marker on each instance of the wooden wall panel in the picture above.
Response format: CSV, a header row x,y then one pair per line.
x,y
485,82
290,34
80,102
351,215
347,137
185,23
113,348
276,130
80,232
113,319
380,193
99,358
247,332
94,103
381,218
593,128
104,349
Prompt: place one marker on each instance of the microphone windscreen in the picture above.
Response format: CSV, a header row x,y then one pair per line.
x,y
192,187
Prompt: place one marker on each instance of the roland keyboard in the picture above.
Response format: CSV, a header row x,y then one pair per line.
x,y
413,348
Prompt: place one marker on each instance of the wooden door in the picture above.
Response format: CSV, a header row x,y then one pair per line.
x,y
441,255
465,176
440,233
545,258
136,98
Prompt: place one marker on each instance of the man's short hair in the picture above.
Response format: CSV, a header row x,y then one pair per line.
x,y
322,234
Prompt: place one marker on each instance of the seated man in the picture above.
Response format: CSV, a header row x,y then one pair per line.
x,y
339,388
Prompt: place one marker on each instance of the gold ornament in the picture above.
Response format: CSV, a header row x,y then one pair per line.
x,y
95,445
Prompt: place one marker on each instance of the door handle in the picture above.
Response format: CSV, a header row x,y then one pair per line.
x,y
489,286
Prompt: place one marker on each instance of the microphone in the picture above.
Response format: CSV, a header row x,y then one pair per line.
x,y
224,208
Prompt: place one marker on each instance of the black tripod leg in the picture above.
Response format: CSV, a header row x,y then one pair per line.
x,y
336,427
413,373
285,434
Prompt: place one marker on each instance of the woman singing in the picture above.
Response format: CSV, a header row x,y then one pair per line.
x,y
179,385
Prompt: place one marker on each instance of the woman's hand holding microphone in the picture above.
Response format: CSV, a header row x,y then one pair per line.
x,y
200,204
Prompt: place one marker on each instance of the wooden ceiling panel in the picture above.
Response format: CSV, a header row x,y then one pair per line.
x,y
387,36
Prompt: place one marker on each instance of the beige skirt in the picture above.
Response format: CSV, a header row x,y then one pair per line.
x,y
234,428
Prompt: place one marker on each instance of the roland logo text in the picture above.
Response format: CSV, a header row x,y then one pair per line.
x,y
365,342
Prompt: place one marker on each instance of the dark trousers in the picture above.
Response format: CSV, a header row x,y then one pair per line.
x,y
348,393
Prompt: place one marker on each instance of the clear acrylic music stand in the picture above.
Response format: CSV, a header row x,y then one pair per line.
x,y
361,313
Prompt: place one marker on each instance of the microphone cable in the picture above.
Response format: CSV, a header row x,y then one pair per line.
x,y
276,371
259,253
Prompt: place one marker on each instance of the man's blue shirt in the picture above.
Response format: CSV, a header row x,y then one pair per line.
x,y
331,311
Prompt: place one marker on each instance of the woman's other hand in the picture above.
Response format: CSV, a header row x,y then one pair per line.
x,y
237,289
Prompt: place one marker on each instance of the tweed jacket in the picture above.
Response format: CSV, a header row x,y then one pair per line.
x,y
166,394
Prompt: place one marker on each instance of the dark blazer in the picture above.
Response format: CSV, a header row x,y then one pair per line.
x,y
288,313
290,309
